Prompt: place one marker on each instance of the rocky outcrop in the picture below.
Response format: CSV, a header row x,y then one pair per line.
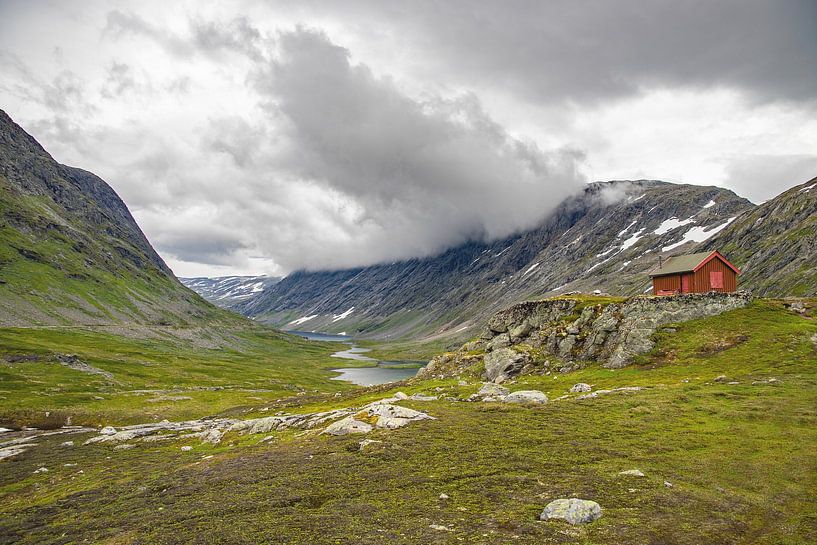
x,y
563,334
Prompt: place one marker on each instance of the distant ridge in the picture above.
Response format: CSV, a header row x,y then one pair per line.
x,y
606,238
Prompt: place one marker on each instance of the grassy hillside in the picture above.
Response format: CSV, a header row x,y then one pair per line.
x,y
776,243
724,462
71,253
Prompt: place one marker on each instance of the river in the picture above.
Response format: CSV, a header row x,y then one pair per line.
x,y
380,372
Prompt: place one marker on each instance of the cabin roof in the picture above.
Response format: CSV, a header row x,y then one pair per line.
x,y
690,263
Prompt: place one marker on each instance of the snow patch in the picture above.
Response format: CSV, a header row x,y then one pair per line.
x,y
670,224
632,240
342,315
807,189
710,204
502,252
303,319
621,233
698,234
530,269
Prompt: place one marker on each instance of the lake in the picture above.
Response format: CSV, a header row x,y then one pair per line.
x,y
382,372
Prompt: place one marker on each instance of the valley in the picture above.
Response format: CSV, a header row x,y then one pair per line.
x,y
132,410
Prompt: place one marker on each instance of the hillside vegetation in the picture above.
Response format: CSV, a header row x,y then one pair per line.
x,y
723,430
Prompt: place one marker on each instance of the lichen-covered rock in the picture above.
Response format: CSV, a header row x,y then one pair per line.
x,y
580,388
348,425
492,390
504,363
530,397
632,473
393,416
572,510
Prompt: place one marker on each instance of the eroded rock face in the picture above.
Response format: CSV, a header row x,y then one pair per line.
x,y
504,363
572,510
612,333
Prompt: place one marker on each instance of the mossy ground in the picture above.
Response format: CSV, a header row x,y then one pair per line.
x,y
156,378
740,458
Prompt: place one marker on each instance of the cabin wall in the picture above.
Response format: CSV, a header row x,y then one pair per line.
x,y
666,283
700,281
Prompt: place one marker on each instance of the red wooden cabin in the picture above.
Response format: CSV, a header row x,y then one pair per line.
x,y
695,273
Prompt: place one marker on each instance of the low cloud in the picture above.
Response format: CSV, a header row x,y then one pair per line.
x,y
407,177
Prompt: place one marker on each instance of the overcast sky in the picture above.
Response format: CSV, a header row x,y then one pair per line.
x,y
263,137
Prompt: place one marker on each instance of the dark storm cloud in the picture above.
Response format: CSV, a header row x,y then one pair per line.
x,y
589,50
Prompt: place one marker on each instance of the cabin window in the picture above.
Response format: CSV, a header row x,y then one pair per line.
x,y
716,280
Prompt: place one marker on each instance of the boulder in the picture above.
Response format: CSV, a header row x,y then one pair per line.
x,y
632,473
502,340
572,510
492,390
532,397
504,363
580,388
421,397
366,442
107,430
393,416
348,425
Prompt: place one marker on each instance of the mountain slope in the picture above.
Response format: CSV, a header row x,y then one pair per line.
x,y
776,243
606,238
227,291
70,251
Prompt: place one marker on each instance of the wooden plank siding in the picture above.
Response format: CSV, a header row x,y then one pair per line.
x,y
700,280
670,282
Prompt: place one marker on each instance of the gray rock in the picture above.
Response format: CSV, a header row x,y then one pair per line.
x,y
186,448
348,425
500,341
533,397
366,442
504,363
107,430
394,416
632,473
494,390
420,397
580,387
572,510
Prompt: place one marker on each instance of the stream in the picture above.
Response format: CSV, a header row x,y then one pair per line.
x,y
380,372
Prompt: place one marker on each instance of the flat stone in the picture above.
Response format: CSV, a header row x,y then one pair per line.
x,y
632,473
572,510
534,397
